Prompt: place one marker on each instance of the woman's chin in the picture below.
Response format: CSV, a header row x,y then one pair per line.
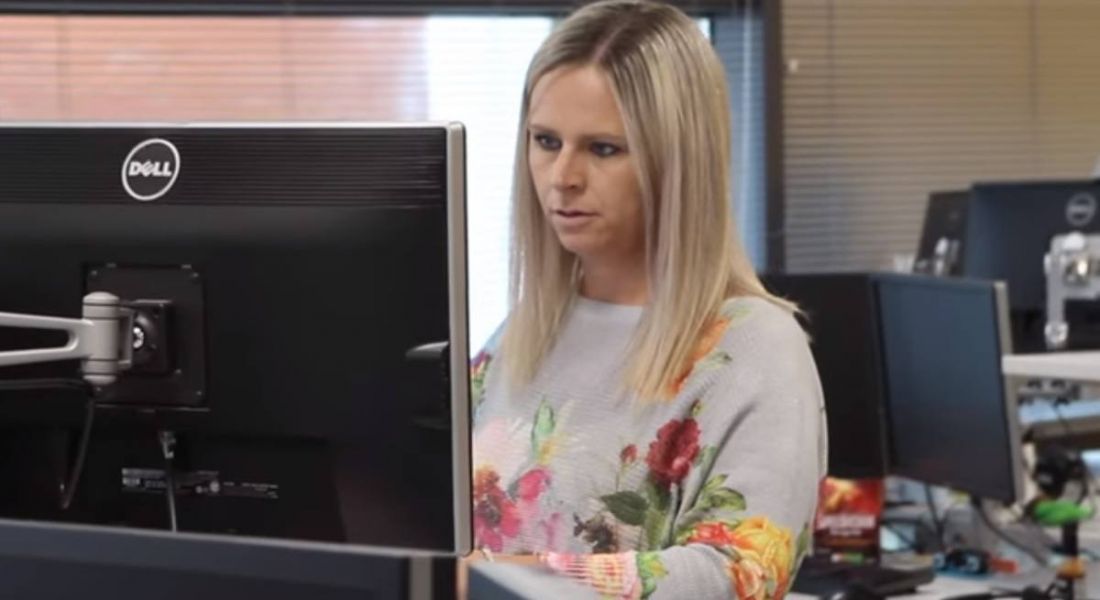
x,y
578,245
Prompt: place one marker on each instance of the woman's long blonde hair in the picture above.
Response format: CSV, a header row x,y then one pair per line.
x,y
671,89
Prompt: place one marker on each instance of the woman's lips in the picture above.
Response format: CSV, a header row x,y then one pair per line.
x,y
572,218
573,213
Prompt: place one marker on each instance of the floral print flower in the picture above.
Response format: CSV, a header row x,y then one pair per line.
x,y
515,511
766,557
495,515
672,453
710,337
628,455
706,354
715,533
749,580
650,570
598,533
479,366
532,484
763,554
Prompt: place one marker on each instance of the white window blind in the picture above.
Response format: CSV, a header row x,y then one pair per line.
x,y
485,85
886,101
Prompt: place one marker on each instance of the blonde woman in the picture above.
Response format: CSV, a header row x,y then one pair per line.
x,y
649,419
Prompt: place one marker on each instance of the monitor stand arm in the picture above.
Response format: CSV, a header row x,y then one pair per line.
x,y
102,340
1073,273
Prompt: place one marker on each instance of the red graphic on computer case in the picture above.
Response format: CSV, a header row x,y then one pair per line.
x,y
847,521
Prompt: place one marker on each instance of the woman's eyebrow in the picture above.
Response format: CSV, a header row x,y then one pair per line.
x,y
532,125
588,137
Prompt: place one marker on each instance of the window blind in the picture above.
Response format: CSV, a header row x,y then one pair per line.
x,y
321,7
886,101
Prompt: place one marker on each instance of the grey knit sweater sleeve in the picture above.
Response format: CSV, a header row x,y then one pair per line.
x,y
707,494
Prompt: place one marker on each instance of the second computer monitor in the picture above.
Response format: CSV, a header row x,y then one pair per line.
x,y
952,421
839,314
1009,227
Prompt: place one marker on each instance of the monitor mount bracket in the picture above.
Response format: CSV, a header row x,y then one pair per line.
x,y
1073,273
102,339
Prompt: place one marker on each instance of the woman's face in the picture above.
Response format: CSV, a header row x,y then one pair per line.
x,y
586,181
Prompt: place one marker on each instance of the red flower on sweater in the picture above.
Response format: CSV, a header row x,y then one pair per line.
x,y
671,454
532,484
495,515
628,455
713,533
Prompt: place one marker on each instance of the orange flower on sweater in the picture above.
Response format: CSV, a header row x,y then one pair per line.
x,y
762,570
762,554
712,334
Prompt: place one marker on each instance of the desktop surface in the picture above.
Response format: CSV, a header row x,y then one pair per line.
x,y
947,586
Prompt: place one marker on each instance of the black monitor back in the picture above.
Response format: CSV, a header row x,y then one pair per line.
x,y
841,318
952,420
317,258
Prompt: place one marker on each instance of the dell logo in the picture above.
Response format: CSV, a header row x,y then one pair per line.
x,y
150,169
1081,209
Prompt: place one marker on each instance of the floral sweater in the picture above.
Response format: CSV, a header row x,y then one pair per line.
x,y
707,494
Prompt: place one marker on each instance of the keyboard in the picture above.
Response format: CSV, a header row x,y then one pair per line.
x,y
823,578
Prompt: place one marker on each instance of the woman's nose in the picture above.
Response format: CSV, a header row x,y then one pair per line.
x,y
568,172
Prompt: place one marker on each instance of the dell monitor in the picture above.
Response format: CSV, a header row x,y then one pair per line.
x,y
952,420
839,313
298,304
1009,228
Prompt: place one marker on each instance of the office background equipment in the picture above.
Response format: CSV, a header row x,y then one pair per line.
x,y
1076,423
1072,270
1081,367
943,232
279,275
952,421
1009,229
841,317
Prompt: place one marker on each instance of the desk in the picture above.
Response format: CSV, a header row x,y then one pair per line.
x,y
1075,366
945,586
1081,427
499,581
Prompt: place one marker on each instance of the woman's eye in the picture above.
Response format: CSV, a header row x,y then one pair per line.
x,y
605,150
547,142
